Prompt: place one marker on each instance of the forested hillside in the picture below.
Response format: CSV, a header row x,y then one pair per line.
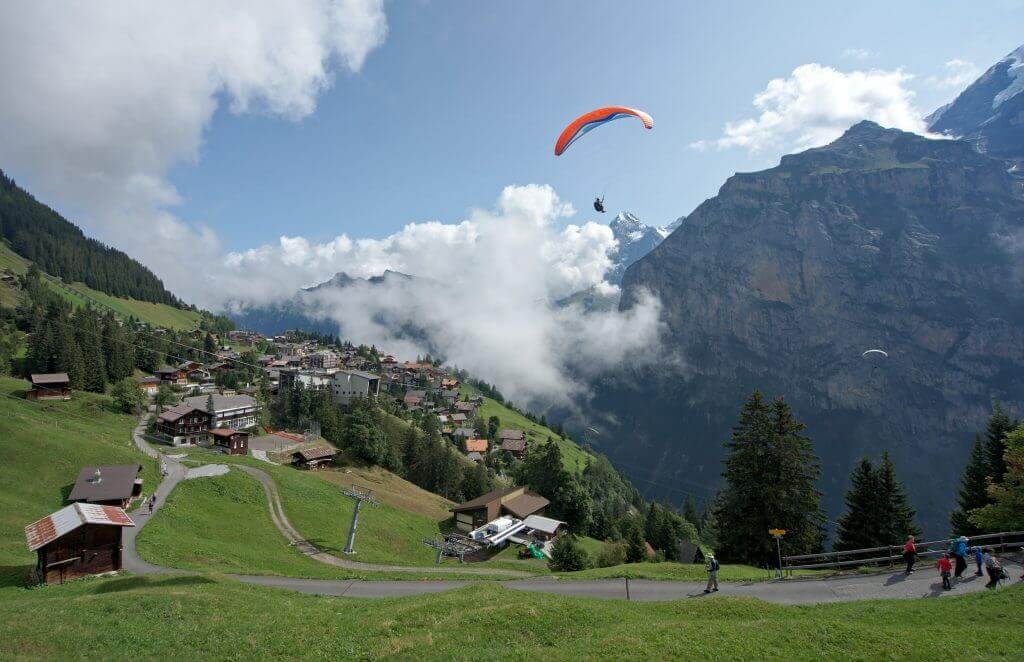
x,y
40,234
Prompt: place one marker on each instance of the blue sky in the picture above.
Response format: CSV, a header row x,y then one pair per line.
x,y
464,98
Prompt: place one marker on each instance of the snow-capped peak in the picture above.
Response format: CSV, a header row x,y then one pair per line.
x,y
1016,73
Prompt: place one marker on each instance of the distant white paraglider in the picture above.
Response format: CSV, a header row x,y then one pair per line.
x,y
875,351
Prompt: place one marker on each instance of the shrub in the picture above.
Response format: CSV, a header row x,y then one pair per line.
x,y
568,556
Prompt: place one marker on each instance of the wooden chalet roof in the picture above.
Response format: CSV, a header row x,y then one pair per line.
x,y
67,519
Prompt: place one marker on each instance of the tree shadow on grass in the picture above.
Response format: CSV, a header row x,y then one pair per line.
x,y
14,575
149,581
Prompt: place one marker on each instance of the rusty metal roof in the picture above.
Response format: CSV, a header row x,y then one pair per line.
x,y
67,519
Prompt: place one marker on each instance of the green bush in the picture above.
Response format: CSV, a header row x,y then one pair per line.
x,y
568,556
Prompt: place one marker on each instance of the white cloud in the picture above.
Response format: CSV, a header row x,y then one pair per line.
x,y
482,293
815,104
956,75
857,54
103,98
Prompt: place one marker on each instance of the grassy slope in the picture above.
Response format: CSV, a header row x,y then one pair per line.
x,y
42,449
78,294
151,617
574,458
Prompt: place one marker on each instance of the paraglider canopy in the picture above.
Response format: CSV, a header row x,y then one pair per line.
x,y
595,118
599,205
877,352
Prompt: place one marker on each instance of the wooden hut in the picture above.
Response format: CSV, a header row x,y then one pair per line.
x,y
78,540
50,386
232,442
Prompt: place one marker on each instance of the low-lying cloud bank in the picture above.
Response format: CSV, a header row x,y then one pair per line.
x,y
482,295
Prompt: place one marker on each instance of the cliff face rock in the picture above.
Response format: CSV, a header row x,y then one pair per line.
x,y
882,239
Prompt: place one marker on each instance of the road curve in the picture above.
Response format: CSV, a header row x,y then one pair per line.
x,y
922,584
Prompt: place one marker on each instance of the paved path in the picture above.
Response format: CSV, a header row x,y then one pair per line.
x,y
925,583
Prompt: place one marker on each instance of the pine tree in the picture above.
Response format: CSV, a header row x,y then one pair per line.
x,y
118,351
973,491
67,357
858,526
770,469
690,510
1006,510
897,518
636,550
88,334
999,425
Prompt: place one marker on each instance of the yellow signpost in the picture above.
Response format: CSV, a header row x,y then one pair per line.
x,y
777,534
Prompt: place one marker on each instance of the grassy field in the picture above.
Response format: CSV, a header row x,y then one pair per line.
x,y
574,458
156,314
215,618
670,571
42,448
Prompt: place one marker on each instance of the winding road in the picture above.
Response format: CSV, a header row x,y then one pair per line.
x,y
923,584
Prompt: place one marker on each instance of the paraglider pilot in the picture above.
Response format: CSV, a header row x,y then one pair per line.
x,y
599,205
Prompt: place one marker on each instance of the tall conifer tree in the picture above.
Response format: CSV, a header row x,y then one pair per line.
x,y
771,470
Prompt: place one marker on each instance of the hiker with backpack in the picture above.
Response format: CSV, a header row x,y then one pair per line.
x,y
960,552
992,567
712,574
979,559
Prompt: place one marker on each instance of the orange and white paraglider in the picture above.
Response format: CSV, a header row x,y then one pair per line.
x,y
589,121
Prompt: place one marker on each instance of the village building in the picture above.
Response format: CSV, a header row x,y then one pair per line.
x,y
312,380
351,384
49,386
313,458
183,424
463,433
463,407
518,502
543,528
324,360
78,540
114,485
475,456
232,442
149,385
229,411
413,398
474,445
512,442
459,419
449,396
170,375
449,384
514,447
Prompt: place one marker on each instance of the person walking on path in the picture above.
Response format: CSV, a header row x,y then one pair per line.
x,y
993,568
909,554
960,551
712,574
979,559
152,503
945,568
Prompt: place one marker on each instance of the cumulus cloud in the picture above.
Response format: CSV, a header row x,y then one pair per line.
x,y
956,75
483,293
815,104
102,98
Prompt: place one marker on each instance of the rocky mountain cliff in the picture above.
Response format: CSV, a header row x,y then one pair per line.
x,y
882,239
989,113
